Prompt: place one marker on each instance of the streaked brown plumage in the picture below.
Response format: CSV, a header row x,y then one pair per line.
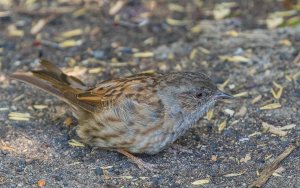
x,y
142,113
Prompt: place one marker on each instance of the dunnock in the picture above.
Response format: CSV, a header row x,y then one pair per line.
x,y
142,113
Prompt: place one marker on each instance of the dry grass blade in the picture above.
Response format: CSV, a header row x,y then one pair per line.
x,y
233,174
143,54
201,182
278,91
46,11
271,106
19,116
274,130
75,143
41,24
269,170
210,114
242,94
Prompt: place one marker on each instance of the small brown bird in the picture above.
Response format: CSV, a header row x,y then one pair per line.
x,y
142,113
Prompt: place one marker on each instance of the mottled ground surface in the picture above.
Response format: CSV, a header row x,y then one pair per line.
x,y
240,54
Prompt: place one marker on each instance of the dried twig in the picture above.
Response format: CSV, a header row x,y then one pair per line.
x,y
269,170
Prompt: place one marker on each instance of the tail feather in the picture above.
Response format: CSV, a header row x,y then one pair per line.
x,y
55,82
52,72
29,78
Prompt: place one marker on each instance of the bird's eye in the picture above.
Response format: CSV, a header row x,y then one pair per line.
x,y
199,95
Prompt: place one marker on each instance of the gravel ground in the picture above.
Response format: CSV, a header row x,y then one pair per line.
x,y
230,148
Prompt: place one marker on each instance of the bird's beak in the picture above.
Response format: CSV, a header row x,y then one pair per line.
x,y
222,95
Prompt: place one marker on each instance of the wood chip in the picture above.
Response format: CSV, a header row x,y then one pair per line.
x,y
201,182
272,129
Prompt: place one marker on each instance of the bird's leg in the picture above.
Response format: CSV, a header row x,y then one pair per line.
x,y
141,164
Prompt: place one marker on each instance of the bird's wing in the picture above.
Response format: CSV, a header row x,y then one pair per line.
x,y
110,93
